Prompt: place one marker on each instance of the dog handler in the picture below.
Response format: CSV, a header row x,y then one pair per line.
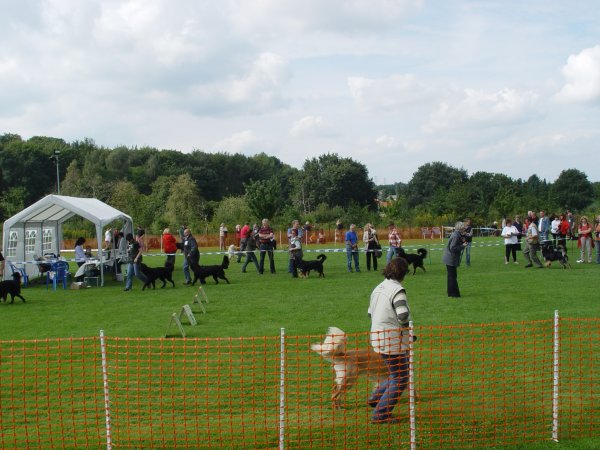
x,y
390,316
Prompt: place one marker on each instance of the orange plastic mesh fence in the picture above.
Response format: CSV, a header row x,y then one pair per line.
x,y
474,386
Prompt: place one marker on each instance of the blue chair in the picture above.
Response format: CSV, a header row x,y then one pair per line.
x,y
60,274
21,271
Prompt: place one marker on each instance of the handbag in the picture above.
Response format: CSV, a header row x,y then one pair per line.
x,y
378,251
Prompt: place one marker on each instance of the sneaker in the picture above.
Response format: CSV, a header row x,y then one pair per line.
x,y
505,262
529,265
516,262
127,289
579,261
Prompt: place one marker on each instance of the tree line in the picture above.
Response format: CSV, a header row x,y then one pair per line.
x,y
160,188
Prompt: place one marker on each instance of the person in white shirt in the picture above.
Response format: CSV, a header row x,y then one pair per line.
x,y
555,228
532,244
107,238
510,233
390,316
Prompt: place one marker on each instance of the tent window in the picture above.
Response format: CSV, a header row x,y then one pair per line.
x,y
13,238
30,236
47,240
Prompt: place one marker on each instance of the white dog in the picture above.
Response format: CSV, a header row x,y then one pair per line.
x,y
232,251
349,364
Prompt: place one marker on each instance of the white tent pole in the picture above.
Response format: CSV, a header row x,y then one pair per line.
x,y
100,256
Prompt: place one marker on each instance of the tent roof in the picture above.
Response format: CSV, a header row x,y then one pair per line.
x,y
59,208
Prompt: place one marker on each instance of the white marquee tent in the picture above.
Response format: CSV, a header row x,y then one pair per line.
x,y
37,230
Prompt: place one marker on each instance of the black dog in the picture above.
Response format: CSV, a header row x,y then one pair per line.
x,y
12,287
217,271
416,259
555,254
163,274
306,266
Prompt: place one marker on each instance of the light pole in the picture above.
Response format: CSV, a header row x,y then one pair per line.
x,y
54,159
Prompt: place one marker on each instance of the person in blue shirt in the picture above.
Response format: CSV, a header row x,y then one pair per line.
x,y
352,248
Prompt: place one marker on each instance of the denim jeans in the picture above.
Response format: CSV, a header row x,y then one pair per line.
x,y
393,251
386,395
352,254
186,270
467,253
250,256
134,269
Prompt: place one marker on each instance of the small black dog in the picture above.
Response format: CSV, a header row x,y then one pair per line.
x,y
306,266
12,287
555,254
416,259
216,271
163,274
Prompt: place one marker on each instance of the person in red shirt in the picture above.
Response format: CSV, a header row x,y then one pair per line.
x,y
245,233
169,245
563,231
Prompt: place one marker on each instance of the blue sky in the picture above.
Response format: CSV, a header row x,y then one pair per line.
x,y
497,86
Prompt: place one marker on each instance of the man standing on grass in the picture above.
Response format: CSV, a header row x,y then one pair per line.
x,y
191,254
352,248
468,237
532,244
245,233
390,316
134,267
395,242
266,237
299,233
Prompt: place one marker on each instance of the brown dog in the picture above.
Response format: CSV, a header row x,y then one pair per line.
x,y
348,365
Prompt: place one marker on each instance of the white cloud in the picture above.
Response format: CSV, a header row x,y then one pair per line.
x,y
392,143
582,75
390,94
312,126
339,16
387,79
245,142
476,108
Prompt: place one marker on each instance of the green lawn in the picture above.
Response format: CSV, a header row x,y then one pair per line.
x,y
260,305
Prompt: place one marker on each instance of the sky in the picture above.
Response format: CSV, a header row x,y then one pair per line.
x,y
503,86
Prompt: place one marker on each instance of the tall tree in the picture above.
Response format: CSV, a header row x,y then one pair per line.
x,y
184,205
263,198
336,181
572,190
430,178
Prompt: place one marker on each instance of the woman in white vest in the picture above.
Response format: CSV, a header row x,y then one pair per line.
x,y
390,317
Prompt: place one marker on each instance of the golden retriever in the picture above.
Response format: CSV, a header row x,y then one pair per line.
x,y
349,364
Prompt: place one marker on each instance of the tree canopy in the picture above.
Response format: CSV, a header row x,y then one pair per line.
x,y
168,187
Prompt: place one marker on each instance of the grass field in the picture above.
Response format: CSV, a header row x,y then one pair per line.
x,y
259,305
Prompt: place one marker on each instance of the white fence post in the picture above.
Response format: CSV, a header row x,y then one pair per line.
x,y
106,392
556,375
411,388
282,389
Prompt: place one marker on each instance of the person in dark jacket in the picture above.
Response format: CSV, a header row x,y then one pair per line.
x,y
451,258
191,254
